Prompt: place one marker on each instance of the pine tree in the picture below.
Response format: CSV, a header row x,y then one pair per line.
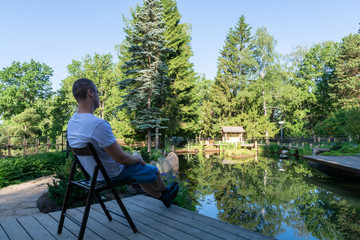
x,y
346,89
180,106
147,83
229,96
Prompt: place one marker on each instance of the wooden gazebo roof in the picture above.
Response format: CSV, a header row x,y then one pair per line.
x,y
238,129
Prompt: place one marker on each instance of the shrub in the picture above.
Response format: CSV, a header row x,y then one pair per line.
x,y
16,170
58,188
127,149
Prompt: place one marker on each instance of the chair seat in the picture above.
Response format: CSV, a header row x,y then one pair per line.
x,y
99,186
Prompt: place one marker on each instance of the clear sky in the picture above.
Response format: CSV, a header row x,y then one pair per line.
x,y
55,32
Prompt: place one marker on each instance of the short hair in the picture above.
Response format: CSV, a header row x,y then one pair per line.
x,y
80,88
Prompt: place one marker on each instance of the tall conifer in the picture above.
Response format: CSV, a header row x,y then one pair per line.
x,y
235,69
146,81
180,109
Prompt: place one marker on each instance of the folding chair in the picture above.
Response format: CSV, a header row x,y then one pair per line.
x,y
93,188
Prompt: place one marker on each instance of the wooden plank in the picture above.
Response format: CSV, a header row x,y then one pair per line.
x,y
51,225
120,228
97,227
142,228
192,223
172,220
34,228
74,228
216,224
14,230
3,234
155,224
347,163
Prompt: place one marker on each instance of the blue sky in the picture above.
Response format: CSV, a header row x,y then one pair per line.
x,y
55,32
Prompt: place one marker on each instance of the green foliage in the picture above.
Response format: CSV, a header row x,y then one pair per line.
x,y
146,82
306,150
181,107
25,82
16,170
57,189
155,155
238,152
127,149
344,149
346,91
145,154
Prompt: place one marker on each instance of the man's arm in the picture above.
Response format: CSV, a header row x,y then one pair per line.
x,y
116,153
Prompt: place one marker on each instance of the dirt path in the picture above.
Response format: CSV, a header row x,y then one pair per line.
x,y
20,200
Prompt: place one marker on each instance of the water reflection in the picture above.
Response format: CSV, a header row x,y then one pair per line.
x,y
280,198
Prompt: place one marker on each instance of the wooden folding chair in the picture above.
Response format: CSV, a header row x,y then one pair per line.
x,y
93,188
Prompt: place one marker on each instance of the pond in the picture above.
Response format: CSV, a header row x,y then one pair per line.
x,y
281,198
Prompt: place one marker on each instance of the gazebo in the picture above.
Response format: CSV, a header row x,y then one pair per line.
x,y
232,134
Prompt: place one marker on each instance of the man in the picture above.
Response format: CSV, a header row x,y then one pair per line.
x,y
84,127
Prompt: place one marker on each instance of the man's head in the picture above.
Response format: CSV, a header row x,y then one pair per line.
x,y
84,88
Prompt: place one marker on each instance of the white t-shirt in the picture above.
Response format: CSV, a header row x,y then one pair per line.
x,y
85,127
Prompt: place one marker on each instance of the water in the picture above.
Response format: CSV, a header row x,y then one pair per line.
x,y
284,199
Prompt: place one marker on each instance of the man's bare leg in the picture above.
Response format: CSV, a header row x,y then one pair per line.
x,y
154,189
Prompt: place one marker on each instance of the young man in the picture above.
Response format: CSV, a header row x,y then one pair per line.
x,y
84,127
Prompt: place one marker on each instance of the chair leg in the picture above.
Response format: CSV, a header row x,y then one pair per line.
x,y
86,212
103,206
123,209
64,208
66,198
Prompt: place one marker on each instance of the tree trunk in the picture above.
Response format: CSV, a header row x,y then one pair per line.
x,y
156,138
265,114
149,140
149,129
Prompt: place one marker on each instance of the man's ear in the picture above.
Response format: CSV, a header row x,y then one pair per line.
x,y
90,92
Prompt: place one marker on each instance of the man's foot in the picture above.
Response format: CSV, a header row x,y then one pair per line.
x,y
170,194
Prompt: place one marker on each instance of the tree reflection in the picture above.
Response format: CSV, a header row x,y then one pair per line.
x,y
269,195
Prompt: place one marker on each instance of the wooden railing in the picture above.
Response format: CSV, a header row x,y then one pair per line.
x,y
25,148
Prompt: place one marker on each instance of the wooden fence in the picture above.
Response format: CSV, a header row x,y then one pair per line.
x,y
25,148
44,144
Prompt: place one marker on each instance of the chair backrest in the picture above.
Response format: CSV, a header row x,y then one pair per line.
x,y
89,150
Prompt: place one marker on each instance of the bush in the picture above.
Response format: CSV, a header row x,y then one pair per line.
x,y
16,170
58,188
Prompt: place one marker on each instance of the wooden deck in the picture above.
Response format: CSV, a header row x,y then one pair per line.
x,y
347,163
152,219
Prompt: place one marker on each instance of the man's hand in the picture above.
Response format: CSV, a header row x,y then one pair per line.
x,y
140,160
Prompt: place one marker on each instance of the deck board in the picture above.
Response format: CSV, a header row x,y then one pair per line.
x,y
35,229
143,229
215,224
347,163
194,227
151,217
3,234
14,230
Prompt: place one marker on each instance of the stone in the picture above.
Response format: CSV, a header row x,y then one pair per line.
x,y
174,161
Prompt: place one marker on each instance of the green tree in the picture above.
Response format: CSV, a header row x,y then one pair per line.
x,y
147,83
180,104
318,69
264,53
21,85
229,95
101,70
346,89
